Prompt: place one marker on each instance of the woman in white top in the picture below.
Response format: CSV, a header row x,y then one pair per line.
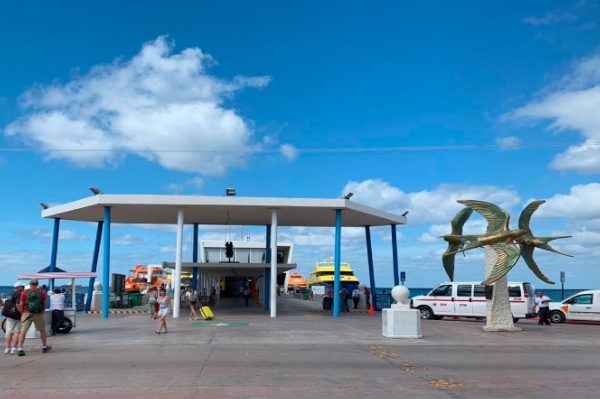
x,y
164,307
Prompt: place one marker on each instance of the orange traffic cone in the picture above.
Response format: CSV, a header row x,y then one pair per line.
x,y
371,310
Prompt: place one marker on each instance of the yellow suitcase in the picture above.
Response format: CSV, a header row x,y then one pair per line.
x,y
207,313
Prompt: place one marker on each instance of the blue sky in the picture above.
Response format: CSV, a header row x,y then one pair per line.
x,y
411,106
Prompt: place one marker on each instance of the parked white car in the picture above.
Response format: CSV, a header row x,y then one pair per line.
x,y
468,299
584,305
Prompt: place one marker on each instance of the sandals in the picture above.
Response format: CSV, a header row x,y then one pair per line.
x,y
160,332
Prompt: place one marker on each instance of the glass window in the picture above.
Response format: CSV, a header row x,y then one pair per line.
x,y
213,255
242,255
583,299
514,291
479,290
464,290
257,255
442,290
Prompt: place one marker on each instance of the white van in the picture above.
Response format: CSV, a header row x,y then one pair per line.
x,y
584,305
468,299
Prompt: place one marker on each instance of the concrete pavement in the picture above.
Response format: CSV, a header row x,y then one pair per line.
x,y
304,354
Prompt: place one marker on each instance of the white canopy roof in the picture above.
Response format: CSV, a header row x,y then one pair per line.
x,y
213,210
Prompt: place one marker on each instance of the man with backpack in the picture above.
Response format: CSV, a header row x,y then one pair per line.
x,y
13,319
32,307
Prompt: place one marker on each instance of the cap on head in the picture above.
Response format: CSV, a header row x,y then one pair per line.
x,y
19,284
33,281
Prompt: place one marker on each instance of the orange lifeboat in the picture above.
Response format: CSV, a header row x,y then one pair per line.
x,y
295,280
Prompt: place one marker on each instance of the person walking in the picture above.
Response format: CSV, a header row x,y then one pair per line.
x,y
13,319
543,304
356,297
344,299
152,297
164,308
246,294
192,299
32,305
368,297
57,304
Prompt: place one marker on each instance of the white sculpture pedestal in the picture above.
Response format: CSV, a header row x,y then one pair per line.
x,y
499,315
96,297
400,321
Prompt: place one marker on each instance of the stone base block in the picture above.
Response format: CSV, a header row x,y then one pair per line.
x,y
501,329
401,323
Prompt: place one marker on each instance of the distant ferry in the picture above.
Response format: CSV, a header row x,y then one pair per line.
x,y
323,274
295,280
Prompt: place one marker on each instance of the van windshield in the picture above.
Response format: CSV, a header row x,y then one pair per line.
x,y
442,290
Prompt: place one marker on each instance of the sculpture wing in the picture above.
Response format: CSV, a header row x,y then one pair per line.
x,y
527,253
507,256
496,217
460,219
525,217
448,262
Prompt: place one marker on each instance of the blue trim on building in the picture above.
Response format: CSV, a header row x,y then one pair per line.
x,y
88,302
54,253
395,256
106,264
267,275
195,258
336,263
371,272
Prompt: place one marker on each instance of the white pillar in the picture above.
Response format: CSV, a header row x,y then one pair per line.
x,y
178,256
273,301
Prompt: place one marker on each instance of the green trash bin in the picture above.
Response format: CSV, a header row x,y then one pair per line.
x,y
306,295
135,299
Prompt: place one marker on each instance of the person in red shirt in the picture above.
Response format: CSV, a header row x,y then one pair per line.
x,y
32,307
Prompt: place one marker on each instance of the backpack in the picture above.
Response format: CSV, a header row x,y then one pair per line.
x,y
34,301
10,307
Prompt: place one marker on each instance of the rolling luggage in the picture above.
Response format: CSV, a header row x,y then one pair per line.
x,y
207,313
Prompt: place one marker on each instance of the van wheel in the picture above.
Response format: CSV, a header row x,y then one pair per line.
x,y
556,316
426,312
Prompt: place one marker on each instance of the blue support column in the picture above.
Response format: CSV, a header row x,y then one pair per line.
x,y
395,256
54,253
267,274
371,273
336,263
195,258
106,261
88,302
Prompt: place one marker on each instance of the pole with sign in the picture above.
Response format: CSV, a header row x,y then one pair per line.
x,y
562,285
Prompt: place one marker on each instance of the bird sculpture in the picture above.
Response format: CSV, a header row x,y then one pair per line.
x,y
456,241
509,245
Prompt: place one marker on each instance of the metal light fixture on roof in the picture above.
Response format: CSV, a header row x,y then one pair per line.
x,y
44,205
405,213
230,191
348,196
95,190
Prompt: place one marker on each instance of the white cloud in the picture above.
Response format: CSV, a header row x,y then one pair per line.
x,y
572,103
289,152
582,203
159,105
127,240
63,235
550,18
508,143
435,206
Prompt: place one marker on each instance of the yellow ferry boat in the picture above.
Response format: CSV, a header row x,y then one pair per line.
x,y
324,272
